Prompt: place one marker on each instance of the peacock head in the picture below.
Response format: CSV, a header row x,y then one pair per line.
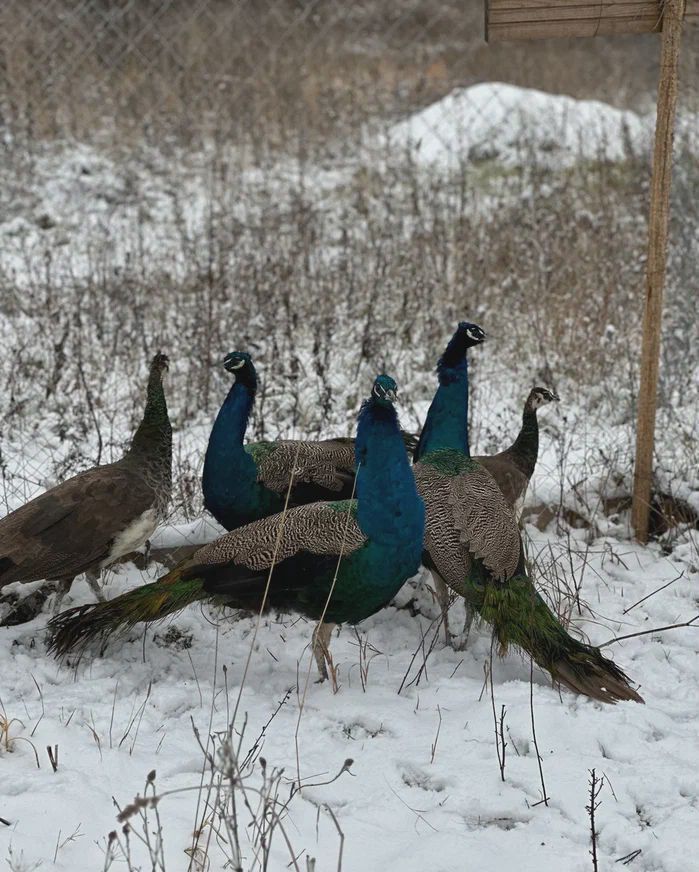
x,y
385,390
541,397
237,361
467,335
159,364
472,334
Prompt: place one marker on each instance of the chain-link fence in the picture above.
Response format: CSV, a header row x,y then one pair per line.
x,y
330,185
267,73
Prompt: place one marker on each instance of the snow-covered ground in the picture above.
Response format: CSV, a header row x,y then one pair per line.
x,y
424,789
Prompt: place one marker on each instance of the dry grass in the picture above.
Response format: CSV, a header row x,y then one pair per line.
x,y
328,290
272,73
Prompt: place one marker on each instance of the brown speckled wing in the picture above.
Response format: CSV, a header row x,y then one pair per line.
x,y
511,480
70,528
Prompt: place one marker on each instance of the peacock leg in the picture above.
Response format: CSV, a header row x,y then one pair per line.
x,y
92,577
468,623
321,648
63,585
442,592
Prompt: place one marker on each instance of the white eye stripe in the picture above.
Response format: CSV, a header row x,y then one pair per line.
x,y
238,365
384,393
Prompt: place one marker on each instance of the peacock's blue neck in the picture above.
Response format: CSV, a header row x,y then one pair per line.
x,y
389,509
229,471
446,424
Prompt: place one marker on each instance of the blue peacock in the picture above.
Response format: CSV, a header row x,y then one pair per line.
x,y
338,561
244,483
473,543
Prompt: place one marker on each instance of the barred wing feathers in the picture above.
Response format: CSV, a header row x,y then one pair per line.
x,y
317,528
328,464
468,510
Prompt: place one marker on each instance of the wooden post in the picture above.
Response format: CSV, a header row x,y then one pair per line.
x,y
655,268
539,19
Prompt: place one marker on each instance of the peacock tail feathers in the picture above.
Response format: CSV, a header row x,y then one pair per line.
x,y
76,627
520,618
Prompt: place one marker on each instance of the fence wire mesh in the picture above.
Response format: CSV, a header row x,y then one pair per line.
x,y
330,185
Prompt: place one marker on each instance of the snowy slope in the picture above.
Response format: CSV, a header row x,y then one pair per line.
x,y
519,127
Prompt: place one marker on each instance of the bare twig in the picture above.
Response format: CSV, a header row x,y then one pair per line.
x,y
545,798
341,835
500,743
436,738
653,593
41,717
596,785
689,623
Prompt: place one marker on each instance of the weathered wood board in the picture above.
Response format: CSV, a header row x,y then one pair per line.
x,y
507,20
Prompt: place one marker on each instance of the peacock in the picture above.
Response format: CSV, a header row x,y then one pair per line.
x,y
92,519
513,468
337,561
473,543
244,483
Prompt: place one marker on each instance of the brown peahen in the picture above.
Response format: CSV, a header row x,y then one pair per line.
x,y
92,519
513,468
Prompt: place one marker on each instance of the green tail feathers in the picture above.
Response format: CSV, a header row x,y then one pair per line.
x,y
75,628
520,617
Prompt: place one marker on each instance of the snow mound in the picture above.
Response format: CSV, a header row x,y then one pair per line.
x,y
519,126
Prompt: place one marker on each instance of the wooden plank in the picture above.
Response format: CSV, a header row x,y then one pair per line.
x,y
546,19
565,30
508,11
658,220
543,16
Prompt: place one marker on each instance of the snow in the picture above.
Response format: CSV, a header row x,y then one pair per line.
x,y
100,211
510,126
424,788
